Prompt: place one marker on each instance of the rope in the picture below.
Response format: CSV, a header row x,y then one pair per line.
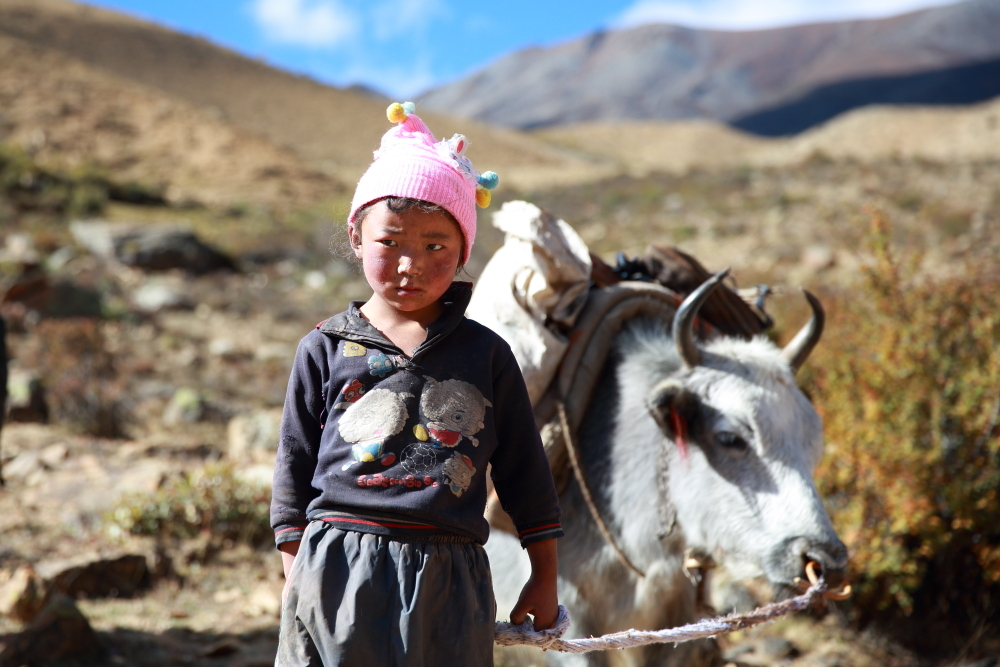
x,y
589,499
508,634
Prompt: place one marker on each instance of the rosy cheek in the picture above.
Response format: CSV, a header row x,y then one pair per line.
x,y
376,265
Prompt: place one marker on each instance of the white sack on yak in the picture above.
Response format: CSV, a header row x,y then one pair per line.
x,y
533,289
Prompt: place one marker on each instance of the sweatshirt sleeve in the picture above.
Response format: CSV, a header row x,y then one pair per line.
x,y
298,447
521,473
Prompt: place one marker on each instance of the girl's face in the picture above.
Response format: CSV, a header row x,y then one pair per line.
x,y
410,258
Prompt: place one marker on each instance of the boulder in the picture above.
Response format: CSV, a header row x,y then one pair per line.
x,y
37,293
151,247
95,576
59,635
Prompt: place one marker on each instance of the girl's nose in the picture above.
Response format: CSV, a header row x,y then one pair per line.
x,y
408,266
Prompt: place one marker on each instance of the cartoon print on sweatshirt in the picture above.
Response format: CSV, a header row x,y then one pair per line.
x,y
351,393
371,420
458,470
354,349
451,409
380,364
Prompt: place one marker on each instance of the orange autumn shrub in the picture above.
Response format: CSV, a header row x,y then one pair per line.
x,y
907,381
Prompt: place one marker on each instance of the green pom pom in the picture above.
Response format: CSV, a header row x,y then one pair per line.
x,y
409,108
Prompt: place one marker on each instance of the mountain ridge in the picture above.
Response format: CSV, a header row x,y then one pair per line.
x,y
665,72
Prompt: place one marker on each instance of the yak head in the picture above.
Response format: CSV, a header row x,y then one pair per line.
x,y
744,443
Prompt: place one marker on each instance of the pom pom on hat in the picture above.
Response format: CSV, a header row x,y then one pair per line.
x,y
483,197
489,179
412,163
396,113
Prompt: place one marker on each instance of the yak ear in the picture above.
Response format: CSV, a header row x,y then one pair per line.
x,y
670,401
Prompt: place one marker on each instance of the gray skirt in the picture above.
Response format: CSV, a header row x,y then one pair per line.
x,y
360,599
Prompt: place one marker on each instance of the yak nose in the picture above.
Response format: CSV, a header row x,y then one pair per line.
x,y
829,558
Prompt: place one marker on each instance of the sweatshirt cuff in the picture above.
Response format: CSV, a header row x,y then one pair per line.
x,y
284,534
539,533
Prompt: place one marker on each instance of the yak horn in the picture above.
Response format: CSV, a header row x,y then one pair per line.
x,y
797,351
683,329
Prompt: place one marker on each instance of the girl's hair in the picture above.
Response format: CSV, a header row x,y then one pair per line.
x,y
401,205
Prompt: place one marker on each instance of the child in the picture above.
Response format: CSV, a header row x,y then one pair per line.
x,y
394,409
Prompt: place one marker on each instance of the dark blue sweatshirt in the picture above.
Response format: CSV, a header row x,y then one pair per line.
x,y
377,442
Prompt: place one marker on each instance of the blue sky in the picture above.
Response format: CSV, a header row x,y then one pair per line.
x,y
402,47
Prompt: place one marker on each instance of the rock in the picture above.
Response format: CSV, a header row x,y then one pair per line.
x,y
221,648
817,257
314,280
19,248
22,595
258,474
263,601
254,436
26,397
53,455
227,596
36,293
58,260
773,649
58,635
96,576
272,350
151,247
186,407
221,347
23,465
155,296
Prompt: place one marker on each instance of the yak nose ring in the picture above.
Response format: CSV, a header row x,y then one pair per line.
x,y
842,594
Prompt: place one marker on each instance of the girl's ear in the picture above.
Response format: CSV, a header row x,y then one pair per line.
x,y
354,238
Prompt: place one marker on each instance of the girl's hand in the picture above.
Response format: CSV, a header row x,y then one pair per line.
x,y
539,596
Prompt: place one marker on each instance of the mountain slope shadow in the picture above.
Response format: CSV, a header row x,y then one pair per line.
x,y
955,85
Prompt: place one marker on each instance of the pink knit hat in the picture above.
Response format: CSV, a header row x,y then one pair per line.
x,y
411,163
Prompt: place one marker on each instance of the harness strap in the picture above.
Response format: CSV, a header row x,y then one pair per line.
x,y
588,498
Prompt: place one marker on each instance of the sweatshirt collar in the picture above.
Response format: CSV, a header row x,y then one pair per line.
x,y
350,325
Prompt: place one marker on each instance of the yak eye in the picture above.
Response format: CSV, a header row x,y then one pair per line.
x,y
731,441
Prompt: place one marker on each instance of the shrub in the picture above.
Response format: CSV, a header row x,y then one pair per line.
x,y
908,384
213,498
82,385
31,187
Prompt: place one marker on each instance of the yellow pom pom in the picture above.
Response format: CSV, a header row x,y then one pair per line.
x,y
395,113
483,197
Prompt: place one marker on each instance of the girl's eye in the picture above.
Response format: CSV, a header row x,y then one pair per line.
x,y
435,246
388,242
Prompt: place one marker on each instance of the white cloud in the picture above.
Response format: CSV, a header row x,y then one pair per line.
x,y
406,18
310,23
754,14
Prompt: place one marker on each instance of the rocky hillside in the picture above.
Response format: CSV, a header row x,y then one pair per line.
x,y
68,113
333,130
670,72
